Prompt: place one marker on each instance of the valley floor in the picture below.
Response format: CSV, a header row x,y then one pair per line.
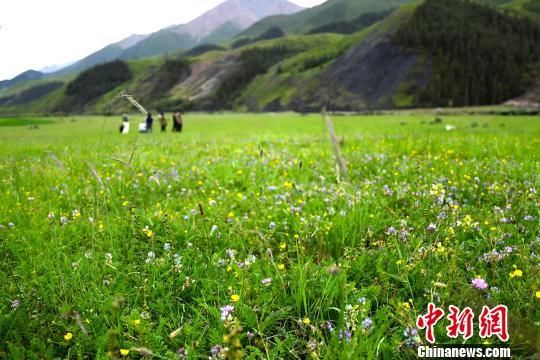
x,y
238,238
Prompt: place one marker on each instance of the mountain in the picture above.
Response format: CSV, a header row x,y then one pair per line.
x,y
108,53
428,53
25,76
215,26
331,11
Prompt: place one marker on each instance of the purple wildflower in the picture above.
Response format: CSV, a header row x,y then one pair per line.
x,y
367,324
479,284
226,312
345,334
216,350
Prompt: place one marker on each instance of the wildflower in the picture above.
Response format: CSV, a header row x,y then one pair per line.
x,y
362,300
528,218
250,335
283,246
50,216
108,258
479,284
516,273
68,336
137,322
230,253
149,233
124,352
367,324
15,303
272,225
281,267
75,214
431,228
306,321
345,335
167,246
226,312
181,353
266,281
230,215
328,326
216,350
538,294
288,185
145,315
151,257
177,261
406,306
235,297
391,231
411,336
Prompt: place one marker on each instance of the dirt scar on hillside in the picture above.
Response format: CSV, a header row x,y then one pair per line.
x,y
206,76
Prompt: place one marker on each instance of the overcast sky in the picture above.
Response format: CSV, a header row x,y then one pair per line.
x,y
39,33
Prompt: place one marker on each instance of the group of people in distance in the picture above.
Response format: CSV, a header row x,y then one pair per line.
x,y
148,124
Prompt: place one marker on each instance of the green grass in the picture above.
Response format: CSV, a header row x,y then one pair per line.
x,y
99,253
11,122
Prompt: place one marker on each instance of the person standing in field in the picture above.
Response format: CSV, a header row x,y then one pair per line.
x,y
162,121
124,128
178,121
149,123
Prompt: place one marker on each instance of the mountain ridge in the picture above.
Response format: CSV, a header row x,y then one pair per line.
x,y
239,14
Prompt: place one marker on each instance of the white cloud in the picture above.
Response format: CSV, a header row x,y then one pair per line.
x,y
38,33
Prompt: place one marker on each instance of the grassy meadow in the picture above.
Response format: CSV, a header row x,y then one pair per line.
x,y
238,238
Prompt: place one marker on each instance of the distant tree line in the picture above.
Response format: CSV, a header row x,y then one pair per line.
x,y
168,75
93,83
253,62
32,94
203,48
318,61
272,33
478,54
352,26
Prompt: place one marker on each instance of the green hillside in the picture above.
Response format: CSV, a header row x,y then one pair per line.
x,y
159,43
424,54
329,12
478,56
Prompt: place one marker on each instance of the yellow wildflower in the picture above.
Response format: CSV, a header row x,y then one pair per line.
x,y
68,336
124,352
235,298
281,267
516,273
306,321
